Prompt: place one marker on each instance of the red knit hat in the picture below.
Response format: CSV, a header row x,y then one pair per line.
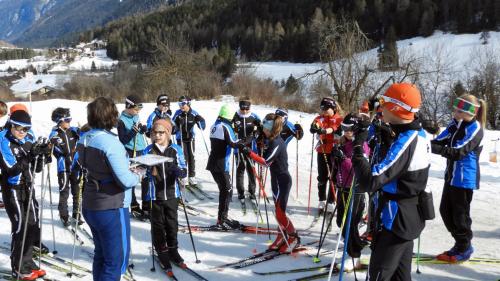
x,y
18,106
166,124
402,99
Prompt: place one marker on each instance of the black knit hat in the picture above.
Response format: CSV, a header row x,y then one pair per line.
x,y
133,101
20,118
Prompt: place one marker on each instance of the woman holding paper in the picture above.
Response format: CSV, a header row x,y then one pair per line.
x,y
107,190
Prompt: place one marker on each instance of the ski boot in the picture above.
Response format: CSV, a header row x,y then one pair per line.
x,y
455,256
321,207
164,258
34,268
176,258
292,242
65,221
278,242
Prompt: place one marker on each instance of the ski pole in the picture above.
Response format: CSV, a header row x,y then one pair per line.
x,y
348,230
204,141
323,233
187,222
27,216
40,218
265,208
310,177
78,214
340,235
297,163
153,268
418,256
51,210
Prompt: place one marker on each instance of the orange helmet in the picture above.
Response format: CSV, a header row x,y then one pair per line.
x,y
18,106
402,99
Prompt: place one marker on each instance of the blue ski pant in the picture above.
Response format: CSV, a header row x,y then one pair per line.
x,y
111,234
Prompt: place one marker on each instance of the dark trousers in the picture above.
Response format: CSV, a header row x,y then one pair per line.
x,y
164,224
68,182
188,149
111,234
391,258
223,181
354,244
323,181
455,212
144,186
244,164
281,185
16,205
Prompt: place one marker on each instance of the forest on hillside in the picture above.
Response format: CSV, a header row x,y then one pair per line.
x,y
289,30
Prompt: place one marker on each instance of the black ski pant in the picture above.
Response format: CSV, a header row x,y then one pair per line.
x,y
391,258
354,244
164,224
16,205
68,181
223,181
134,205
188,149
455,212
324,163
244,164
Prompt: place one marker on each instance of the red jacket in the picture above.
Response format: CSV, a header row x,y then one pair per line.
x,y
328,140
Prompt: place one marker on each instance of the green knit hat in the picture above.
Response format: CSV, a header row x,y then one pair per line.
x,y
226,112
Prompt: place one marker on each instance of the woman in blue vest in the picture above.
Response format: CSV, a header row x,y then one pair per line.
x,y
107,190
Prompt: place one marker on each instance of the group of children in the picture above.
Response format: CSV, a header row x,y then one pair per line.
x,y
386,156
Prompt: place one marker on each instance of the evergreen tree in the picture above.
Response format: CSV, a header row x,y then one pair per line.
x,y
291,85
93,68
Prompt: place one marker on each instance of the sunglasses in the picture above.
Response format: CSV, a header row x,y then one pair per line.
x,y
161,133
22,129
66,119
183,103
245,107
465,106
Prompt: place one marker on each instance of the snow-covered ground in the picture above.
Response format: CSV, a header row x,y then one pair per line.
x,y
218,248
459,53
59,71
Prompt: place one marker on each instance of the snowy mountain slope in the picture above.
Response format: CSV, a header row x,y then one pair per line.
x,y
459,52
217,248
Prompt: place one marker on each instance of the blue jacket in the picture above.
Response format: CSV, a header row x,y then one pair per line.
x,y
108,180
222,140
163,178
155,115
128,137
460,144
401,176
64,143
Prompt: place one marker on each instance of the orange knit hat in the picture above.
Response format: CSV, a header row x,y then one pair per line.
x,y
402,99
18,106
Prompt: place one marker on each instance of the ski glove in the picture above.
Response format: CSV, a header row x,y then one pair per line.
x,y
299,132
315,129
437,148
177,172
337,153
245,150
200,122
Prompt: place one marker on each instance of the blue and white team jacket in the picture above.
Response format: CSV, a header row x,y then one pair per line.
x,y
401,176
460,143
222,140
163,183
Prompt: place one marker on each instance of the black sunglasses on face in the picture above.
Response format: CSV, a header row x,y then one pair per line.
x,y
22,129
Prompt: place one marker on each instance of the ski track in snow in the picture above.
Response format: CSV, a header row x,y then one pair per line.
x,y
217,248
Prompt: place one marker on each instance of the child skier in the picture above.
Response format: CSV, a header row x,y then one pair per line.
x,y
64,139
276,158
131,134
344,175
461,145
164,191
289,130
20,159
184,119
402,177
325,125
222,140
162,111
245,123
